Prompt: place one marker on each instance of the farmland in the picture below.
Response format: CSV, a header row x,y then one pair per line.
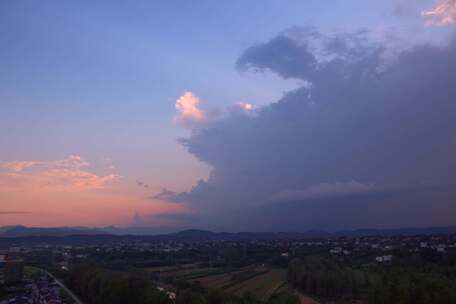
x,y
260,281
262,286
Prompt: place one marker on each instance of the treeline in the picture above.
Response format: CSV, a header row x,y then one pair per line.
x,y
324,278
409,287
399,283
2,290
99,286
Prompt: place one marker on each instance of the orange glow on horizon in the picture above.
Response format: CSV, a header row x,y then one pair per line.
x,y
65,193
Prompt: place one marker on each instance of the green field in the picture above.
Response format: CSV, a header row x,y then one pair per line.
x,y
260,281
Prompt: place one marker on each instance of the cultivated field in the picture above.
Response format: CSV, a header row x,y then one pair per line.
x,y
260,281
215,281
263,285
189,274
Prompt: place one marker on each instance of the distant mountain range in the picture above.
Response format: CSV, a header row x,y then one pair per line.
x,y
195,234
22,231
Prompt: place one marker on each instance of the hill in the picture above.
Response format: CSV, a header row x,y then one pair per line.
x,y
196,234
22,231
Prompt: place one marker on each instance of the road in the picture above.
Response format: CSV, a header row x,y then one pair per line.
x,y
69,292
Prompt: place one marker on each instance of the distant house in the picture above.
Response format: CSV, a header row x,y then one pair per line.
x,y
384,258
441,248
336,250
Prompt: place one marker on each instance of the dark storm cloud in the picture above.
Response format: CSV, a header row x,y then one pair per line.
x,y
358,124
164,194
421,205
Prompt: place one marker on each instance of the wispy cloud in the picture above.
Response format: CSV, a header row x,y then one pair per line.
x,y
443,13
164,194
68,174
14,212
18,166
142,184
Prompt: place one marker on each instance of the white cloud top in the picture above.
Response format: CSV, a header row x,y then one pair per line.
x,y
442,14
246,106
188,113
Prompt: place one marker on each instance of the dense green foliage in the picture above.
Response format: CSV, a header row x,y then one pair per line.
x,y
2,290
409,287
414,279
97,286
324,278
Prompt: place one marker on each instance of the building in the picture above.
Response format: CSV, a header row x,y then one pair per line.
x,y
384,258
13,269
2,266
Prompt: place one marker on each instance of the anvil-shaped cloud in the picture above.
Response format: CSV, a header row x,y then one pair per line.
x,y
358,144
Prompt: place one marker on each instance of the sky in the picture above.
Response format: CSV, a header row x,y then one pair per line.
x,y
228,115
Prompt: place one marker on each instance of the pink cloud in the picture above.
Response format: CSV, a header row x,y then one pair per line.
x,y
70,191
442,14
69,174
17,166
188,113
246,106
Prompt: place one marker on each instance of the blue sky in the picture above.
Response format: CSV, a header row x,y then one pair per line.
x,y
99,79
72,67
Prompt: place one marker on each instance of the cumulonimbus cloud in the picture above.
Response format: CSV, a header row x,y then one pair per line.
x,y
381,125
443,13
325,190
68,174
189,114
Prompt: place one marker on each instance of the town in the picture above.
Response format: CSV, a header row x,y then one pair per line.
x,y
42,272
